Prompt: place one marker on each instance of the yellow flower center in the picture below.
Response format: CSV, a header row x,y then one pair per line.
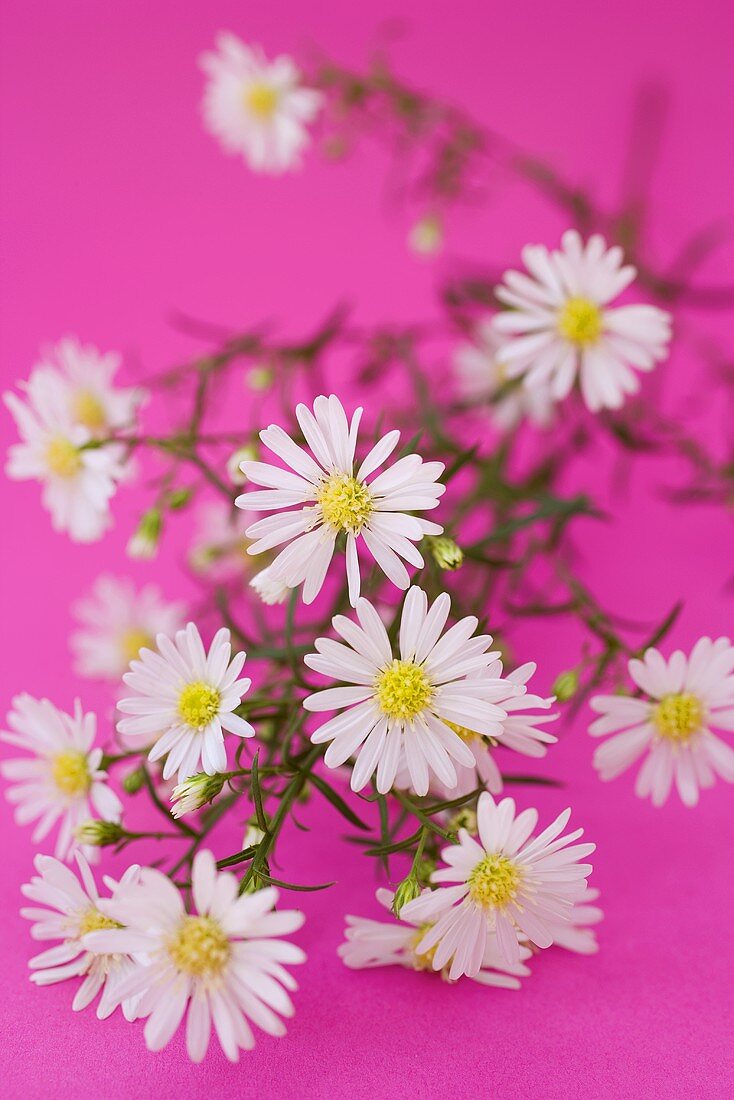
x,y
462,731
132,641
89,410
678,717
424,960
198,703
346,503
62,457
494,882
70,772
199,947
402,689
580,321
261,100
94,921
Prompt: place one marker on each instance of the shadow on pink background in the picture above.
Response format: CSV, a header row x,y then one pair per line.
x,y
118,210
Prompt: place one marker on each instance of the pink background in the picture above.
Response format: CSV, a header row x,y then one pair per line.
x,y
117,209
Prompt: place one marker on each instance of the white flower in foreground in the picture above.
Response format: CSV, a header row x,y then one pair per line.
x,y
184,698
483,379
371,943
269,588
66,907
61,782
257,108
223,963
684,697
328,497
78,483
506,884
400,709
560,327
81,379
116,621
219,547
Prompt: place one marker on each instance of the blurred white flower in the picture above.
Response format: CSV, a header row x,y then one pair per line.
x,y
257,108
559,326
116,621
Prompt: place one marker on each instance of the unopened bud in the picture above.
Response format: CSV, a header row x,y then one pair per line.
x,y
234,463
253,834
446,553
179,498
426,236
99,834
464,819
134,781
195,792
144,543
271,589
566,685
259,378
407,890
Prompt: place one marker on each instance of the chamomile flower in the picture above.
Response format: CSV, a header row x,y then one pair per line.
x,y
328,498
682,699
116,621
405,708
371,943
560,327
61,782
256,108
220,965
78,482
184,698
506,884
483,379
66,907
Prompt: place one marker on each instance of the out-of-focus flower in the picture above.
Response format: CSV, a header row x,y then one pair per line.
x,y
234,464
195,792
403,711
483,379
271,589
184,698
71,909
684,698
257,108
221,965
505,885
426,235
116,621
371,943
559,327
328,498
219,547
61,781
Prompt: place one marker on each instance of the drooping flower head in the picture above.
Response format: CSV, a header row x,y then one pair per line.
x,y
257,108
184,698
323,496
220,965
504,884
683,699
61,782
402,711
66,907
371,943
560,326
116,622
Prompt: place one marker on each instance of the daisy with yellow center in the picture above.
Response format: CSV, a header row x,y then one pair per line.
x,y
61,781
258,109
505,886
324,497
683,700
401,713
222,966
185,698
560,327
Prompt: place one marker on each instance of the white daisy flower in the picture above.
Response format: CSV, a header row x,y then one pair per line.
x,y
66,907
269,587
220,965
577,934
400,708
506,885
184,698
116,622
521,732
371,943
78,484
218,548
328,497
81,378
257,108
683,698
61,781
560,327
483,379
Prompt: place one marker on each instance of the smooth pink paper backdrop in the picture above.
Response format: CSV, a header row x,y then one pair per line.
x,y
116,210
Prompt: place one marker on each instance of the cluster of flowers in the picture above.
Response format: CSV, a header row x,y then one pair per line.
x,y
417,706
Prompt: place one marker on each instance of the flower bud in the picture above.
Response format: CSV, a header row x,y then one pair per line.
x,y
269,588
464,819
99,834
566,685
253,834
446,553
234,462
408,889
259,378
426,236
134,781
144,543
179,498
195,792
